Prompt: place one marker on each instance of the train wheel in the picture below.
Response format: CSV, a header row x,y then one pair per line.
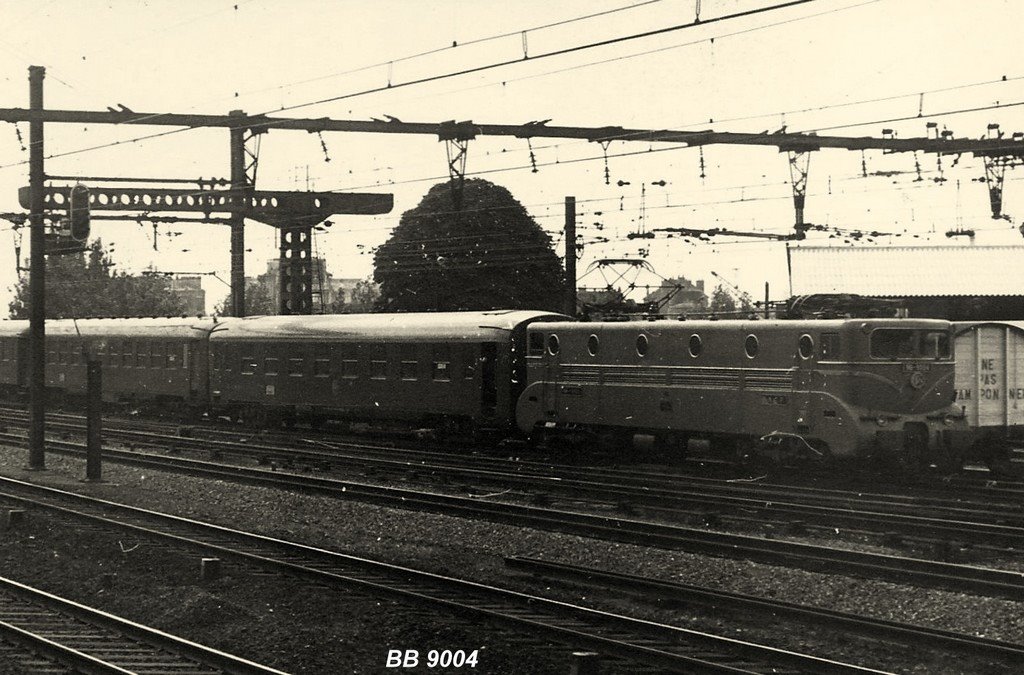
x,y
670,446
998,460
949,461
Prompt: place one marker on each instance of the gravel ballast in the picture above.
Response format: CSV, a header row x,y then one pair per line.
x,y
475,550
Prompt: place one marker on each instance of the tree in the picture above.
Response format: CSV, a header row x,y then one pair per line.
x,y
85,285
363,298
258,300
488,254
723,302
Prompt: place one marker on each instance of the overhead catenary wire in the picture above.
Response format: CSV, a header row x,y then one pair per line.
x,y
749,200
432,78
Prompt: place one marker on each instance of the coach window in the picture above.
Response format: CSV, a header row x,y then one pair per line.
x,y
750,346
696,345
593,345
378,363
829,345
407,368
350,369
295,367
270,366
441,366
62,352
536,347
141,355
553,345
157,358
806,346
322,362
642,345
248,365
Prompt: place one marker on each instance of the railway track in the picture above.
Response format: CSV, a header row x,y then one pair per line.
x,y
55,635
642,642
872,565
667,592
957,496
927,520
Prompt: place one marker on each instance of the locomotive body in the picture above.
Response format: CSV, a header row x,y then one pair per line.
x,y
836,388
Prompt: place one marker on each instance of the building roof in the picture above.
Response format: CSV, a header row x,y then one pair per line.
x,y
908,271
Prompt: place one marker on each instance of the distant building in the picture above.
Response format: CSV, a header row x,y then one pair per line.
x,y
689,298
190,290
327,290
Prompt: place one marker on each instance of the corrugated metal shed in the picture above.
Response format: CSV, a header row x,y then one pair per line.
x,y
908,271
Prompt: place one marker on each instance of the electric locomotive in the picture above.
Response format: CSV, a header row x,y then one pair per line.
x,y
793,389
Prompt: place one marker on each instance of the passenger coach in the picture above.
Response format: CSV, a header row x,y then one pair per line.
x,y
13,355
804,388
447,369
154,361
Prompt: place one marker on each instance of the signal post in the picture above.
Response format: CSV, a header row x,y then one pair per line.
x,y
37,276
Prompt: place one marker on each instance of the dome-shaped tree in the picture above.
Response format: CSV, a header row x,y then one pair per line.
x,y
489,254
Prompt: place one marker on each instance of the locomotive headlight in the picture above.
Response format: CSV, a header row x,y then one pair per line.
x,y
881,421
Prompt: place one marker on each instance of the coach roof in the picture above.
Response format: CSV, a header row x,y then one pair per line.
x,y
155,329
413,327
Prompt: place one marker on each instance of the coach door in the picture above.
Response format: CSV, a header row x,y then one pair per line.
x,y
488,379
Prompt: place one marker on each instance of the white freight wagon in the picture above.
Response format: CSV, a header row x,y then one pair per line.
x,y
990,377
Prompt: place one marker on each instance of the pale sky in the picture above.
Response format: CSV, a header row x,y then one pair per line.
x,y
823,66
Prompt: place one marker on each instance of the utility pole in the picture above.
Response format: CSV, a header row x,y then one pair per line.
x,y
239,185
37,276
570,256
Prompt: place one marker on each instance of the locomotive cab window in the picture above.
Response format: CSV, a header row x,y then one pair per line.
x,y
536,346
806,345
909,343
750,346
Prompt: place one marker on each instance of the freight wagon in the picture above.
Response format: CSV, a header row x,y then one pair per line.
x,y
990,383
